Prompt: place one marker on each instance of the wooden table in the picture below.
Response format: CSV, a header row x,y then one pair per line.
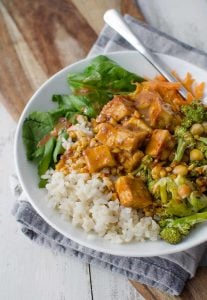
x,y
38,38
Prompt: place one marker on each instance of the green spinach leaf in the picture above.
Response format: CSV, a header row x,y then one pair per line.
x,y
47,158
64,102
35,127
105,75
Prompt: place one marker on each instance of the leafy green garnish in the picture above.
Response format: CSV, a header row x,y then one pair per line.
x,y
42,183
35,127
95,86
105,75
56,114
75,104
64,102
99,82
46,160
38,154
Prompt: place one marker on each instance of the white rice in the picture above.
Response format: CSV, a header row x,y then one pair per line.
x,y
85,201
67,144
82,125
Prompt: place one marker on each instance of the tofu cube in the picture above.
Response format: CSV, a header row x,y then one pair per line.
x,y
106,134
132,192
120,137
129,140
118,108
98,158
160,144
137,124
154,110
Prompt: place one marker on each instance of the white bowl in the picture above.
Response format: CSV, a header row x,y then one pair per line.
x,y
27,171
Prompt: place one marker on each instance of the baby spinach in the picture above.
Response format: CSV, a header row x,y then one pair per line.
x,y
75,104
35,127
47,157
103,75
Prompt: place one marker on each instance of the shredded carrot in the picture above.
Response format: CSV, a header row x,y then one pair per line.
x,y
196,91
169,85
188,82
160,78
169,91
199,90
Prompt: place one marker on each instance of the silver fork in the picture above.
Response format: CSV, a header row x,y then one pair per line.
x,y
117,22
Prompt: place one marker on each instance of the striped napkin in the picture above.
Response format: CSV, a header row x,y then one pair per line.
x,y
167,273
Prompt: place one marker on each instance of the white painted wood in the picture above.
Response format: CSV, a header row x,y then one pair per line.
x,y
109,286
183,19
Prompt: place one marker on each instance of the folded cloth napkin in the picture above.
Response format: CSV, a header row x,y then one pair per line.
x,y
167,273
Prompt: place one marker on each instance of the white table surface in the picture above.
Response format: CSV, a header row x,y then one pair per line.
x,y
30,272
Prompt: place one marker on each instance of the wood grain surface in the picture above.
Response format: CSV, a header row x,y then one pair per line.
x,y
38,38
195,289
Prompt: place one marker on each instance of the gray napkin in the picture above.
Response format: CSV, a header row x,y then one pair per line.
x,y
167,273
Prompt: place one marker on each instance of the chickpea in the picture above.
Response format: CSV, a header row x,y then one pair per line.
x,y
205,126
197,129
180,170
184,191
168,169
163,172
196,154
156,172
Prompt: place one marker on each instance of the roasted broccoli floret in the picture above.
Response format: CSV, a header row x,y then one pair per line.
x,y
185,140
201,144
193,202
203,140
193,113
174,230
199,171
198,201
144,170
171,235
177,198
202,147
167,189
